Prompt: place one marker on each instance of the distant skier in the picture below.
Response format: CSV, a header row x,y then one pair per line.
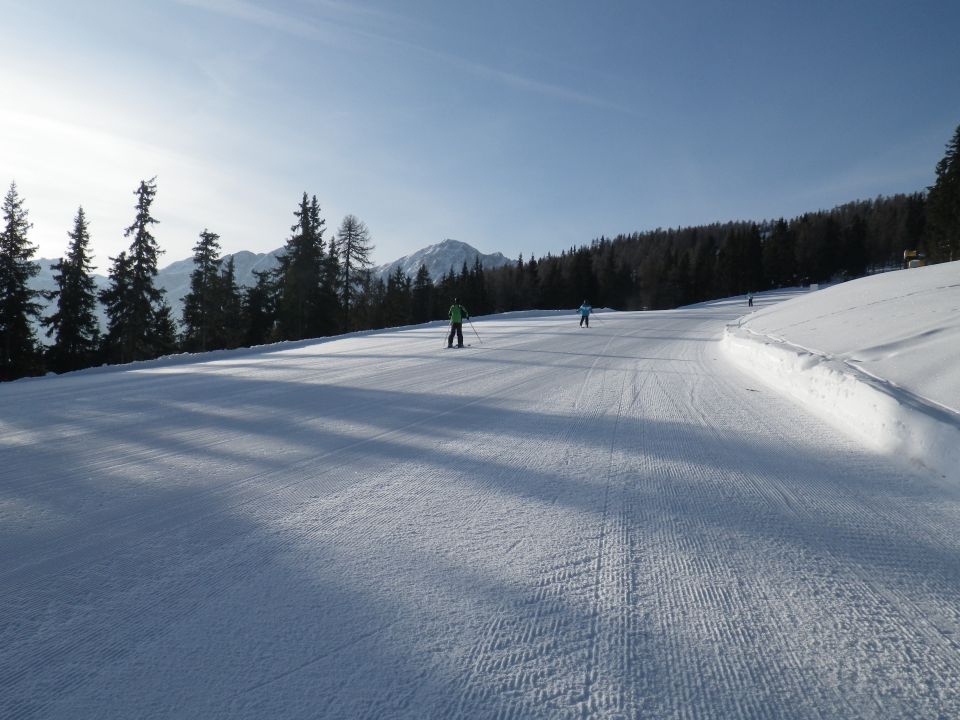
x,y
749,299
585,311
458,313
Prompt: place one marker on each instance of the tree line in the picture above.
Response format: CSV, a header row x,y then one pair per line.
x,y
325,286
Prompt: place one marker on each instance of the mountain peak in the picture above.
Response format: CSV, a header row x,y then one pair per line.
x,y
440,259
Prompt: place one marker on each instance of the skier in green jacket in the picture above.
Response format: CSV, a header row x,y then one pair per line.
x,y
458,313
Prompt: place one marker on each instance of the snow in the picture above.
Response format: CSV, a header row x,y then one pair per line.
x,y
557,522
877,356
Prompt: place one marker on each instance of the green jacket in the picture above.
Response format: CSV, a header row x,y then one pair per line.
x,y
457,313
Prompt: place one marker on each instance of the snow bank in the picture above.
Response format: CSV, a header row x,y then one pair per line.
x,y
876,357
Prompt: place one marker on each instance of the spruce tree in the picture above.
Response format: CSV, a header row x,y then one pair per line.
x,y
943,205
201,306
19,352
331,314
74,326
778,258
552,290
422,296
300,275
140,323
162,335
151,317
583,281
447,289
375,292
115,347
853,248
259,310
477,287
230,304
367,304
396,301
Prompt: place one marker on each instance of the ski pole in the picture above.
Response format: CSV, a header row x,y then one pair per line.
x,y
474,330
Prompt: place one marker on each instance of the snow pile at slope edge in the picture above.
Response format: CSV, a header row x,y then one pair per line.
x,y
887,417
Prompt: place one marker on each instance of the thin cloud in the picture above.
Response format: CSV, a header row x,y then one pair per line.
x,y
254,14
519,82
247,11
299,25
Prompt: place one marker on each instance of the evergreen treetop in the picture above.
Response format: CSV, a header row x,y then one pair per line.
x,y
200,305
140,323
74,326
943,205
19,354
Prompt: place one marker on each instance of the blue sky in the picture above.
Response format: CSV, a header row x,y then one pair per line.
x,y
525,126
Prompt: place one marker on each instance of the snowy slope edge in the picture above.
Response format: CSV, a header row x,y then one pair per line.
x,y
887,417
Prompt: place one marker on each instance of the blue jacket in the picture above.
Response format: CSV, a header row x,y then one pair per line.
x,y
585,310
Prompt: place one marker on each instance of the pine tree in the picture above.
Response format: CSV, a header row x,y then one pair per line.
x,y
162,335
19,352
476,287
116,343
778,258
139,321
531,286
447,289
367,308
201,306
753,259
943,205
396,301
144,252
354,248
853,248
552,292
300,275
422,296
331,310
231,307
74,326
584,282
259,309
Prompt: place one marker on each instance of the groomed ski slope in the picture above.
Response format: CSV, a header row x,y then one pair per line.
x,y
556,523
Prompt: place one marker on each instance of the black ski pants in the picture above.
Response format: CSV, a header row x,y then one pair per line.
x,y
455,328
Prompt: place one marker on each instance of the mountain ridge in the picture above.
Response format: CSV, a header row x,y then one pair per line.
x,y
174,278
440,259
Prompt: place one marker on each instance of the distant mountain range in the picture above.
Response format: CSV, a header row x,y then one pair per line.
x,y
175,277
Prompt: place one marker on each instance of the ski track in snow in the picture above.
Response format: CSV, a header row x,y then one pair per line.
x,y
555,523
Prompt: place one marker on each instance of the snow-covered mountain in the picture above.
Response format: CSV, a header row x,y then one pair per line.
x,y
174,279
440,258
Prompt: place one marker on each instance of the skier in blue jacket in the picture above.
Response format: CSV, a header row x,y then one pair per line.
x,y
585,311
